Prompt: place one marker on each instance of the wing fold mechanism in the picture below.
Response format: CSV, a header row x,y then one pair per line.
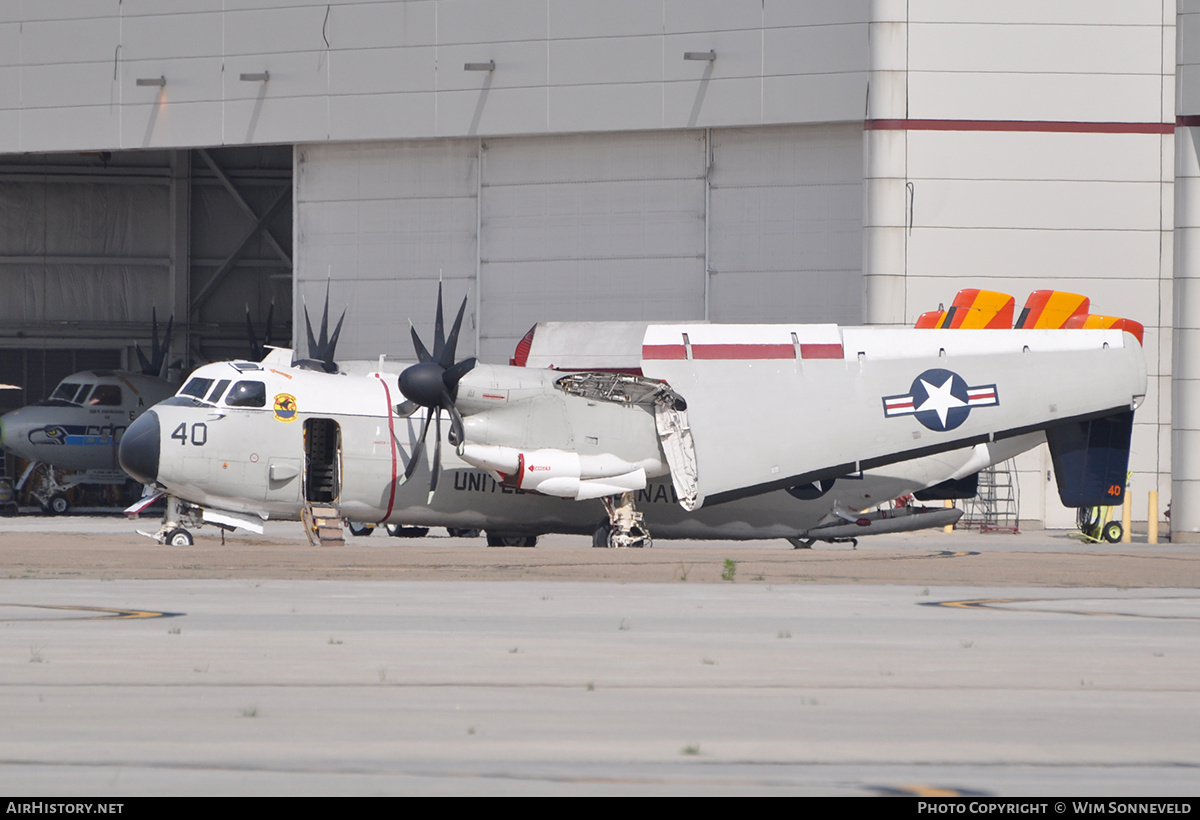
x,y
670,418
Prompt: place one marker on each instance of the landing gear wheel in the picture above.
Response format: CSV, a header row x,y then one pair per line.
x,y
360,530
1113,532
626,527
398,531
463,532
179,537
499,539
601,537
58,504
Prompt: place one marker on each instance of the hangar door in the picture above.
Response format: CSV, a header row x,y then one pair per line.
x,y
379,223
785,224
733,225
589,226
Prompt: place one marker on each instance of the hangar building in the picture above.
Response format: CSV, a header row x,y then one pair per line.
x,y
729,160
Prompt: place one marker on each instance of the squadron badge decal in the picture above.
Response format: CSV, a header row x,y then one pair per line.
x,y
285,407
940,399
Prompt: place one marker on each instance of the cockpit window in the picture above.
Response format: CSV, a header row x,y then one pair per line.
x,y
247,394
215,395
66,391
106,395
196,388
82,395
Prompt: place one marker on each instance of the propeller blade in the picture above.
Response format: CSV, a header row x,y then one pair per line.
x,y
456,420
422,353
323,340
447,357
437,458
312,340
439,330
332,344
163,364
155,352
270,317
453,375
143,362
255,350
417,450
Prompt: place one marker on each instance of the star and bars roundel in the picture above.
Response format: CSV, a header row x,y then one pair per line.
x,y
940,399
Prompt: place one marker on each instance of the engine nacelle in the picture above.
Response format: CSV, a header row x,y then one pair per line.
x,y
560,473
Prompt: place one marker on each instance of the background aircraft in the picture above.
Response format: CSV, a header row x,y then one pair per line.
x,y
720,424
75,433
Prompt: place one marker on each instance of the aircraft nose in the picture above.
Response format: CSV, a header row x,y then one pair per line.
x,y
139,448
11,426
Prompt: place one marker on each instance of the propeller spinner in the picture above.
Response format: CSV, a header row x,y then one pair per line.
x,y
432,383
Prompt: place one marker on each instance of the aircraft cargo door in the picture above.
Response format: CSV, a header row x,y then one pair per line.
x,y
322,461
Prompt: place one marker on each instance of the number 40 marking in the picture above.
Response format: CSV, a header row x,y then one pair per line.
x,y
199,434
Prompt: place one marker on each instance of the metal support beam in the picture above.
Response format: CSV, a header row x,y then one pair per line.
x,y
210,286
245,206
181,246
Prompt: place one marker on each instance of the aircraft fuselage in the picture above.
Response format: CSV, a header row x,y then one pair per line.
x,y
266,440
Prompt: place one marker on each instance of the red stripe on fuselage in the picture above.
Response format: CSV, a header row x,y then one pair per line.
x,y
392,444
821,351
743,352
664,352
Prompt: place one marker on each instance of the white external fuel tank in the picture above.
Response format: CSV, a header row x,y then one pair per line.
x,y
561,473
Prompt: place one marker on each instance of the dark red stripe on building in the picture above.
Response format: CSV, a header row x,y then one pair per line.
x,y
1029,126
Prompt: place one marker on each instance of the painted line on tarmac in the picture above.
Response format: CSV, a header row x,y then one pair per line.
x,y
95,613
926,791
1006,604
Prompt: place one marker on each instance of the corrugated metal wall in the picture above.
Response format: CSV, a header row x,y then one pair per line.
x,y
731,224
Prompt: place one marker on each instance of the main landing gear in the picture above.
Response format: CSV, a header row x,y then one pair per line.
x,y
626,526
47,489
502,539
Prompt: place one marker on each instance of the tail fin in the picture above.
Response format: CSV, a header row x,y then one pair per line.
x,y
1051,309
974,308
931,319
1104,322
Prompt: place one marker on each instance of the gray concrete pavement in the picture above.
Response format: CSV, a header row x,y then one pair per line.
x,y
558,687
